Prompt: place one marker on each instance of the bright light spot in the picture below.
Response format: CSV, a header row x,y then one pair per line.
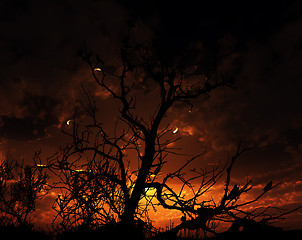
x,y
175,130
68,122
41,165
150,191
98,69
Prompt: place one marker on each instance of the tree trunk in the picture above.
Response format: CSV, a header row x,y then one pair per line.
x,y
147,161
139,188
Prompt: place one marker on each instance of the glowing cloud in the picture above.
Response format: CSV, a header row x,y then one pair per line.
x,y
189,130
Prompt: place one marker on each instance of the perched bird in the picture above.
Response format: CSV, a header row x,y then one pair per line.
x,y
234,192
268,186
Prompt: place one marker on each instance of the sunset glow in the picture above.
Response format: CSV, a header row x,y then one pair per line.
x,y
163,113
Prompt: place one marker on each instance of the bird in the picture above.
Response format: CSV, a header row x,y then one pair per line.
x,y
268,186
234,192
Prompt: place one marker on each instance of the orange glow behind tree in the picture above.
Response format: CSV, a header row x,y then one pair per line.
x,y
117,177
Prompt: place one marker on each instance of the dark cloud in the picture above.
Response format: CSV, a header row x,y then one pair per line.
x,y
264,111
21,129
36,114
260,44
267,102
39,42
42,77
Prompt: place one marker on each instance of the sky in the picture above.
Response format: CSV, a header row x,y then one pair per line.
x,y
259,44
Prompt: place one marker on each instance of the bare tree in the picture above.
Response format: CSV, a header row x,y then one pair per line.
x,y
172,87
20,188
206,214
97,184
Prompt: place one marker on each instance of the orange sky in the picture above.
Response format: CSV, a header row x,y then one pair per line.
x,y
41,78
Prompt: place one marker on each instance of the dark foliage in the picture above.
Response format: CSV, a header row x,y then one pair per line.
x,y
16,233
20,188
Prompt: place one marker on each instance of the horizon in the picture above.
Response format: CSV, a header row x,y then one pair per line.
x,y
42,80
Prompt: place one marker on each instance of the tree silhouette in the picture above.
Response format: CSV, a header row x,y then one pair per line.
x,y
96,177
20,188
